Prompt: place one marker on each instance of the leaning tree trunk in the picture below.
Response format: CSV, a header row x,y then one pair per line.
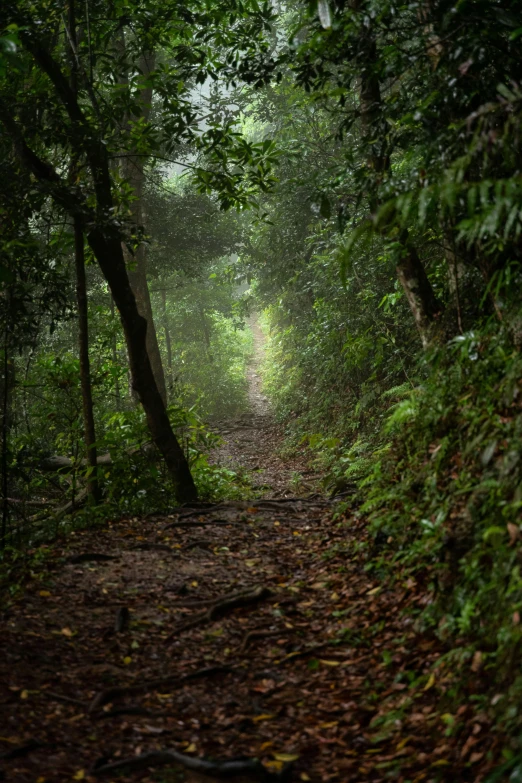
x,y
109,254
105,241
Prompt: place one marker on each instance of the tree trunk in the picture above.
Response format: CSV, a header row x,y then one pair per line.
x,y
5,388
168,342
419,293
109,254
133,172
410,270
93,487
114,352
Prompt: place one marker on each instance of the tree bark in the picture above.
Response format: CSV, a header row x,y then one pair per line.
x,y
419,293
93,487
168,341
5,388
133,171
109,254
89,429
114,351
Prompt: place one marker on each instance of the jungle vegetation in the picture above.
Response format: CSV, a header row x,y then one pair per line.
x,y
350,169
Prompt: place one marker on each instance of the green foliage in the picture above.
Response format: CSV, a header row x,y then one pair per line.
x,y
448,492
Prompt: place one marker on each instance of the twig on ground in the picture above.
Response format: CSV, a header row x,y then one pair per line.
x,y
60,697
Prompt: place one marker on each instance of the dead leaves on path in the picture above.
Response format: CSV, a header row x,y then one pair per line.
x,y
274,642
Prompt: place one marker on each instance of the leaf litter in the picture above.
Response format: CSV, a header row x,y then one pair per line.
x,y
324,672
269,650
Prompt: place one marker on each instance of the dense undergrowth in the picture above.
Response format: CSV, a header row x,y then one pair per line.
x,y
438,476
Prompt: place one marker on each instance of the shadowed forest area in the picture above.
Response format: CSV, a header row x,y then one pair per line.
x,y
261,391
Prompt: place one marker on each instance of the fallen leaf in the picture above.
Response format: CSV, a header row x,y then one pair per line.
x,y
45,594
24,695
67,632
191,748
80,775
374,591
330,663
127,660
430,683
264,716
285,756
304,776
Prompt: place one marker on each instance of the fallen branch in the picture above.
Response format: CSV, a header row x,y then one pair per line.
x,y
215,769
118,692
53,464
226,604
78,500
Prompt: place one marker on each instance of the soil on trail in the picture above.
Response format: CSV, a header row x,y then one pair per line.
x,y
252,441
237,631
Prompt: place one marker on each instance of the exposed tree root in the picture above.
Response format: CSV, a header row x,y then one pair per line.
x,y
253,636
119,692
222,770
226,604
60,697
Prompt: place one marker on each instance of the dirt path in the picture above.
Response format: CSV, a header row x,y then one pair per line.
x,y
258,637
253,441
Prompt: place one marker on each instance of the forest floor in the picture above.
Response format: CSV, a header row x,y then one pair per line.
x,y
259,629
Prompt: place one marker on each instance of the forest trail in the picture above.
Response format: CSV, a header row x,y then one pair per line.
x,y
261,631
252,440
